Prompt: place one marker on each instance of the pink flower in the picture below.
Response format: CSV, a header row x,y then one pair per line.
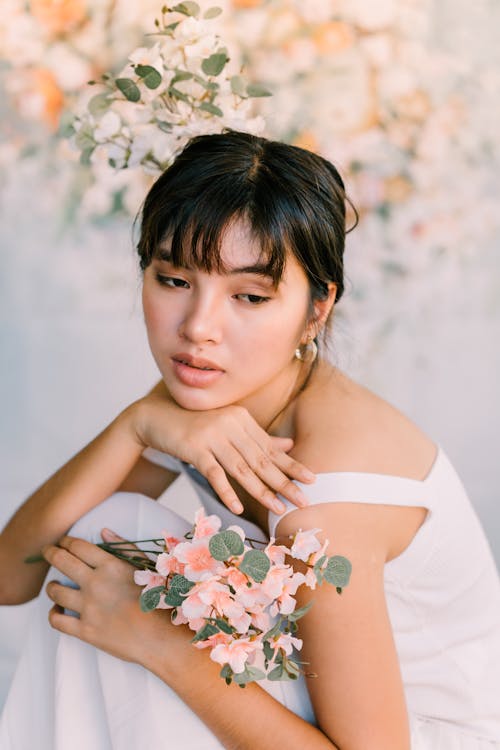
x,y
199,563
319,554
274,583
287,642
214,640
276,552
304,544
166,564
194,607
236,653
171,542
205,525
148,579
261,620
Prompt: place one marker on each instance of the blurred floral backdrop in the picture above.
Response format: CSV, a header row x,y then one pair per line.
x,y
404,97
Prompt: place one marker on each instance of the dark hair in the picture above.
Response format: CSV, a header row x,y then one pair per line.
x,y
294,201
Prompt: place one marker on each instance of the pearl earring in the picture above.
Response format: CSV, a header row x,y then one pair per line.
x,y
308,352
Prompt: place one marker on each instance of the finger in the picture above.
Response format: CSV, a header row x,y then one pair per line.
x,y
264,466
64,596
89,553
64,561
293,468
217,478
237,465
121,545
65,623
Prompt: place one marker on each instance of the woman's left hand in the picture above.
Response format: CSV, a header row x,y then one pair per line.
x,y
107,602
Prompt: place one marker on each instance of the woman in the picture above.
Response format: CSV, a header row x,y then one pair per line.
x,y
241,247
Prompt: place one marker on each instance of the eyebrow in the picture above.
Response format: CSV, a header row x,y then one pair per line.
x,y
259,269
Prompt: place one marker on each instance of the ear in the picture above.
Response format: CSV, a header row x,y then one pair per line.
x,y
322,308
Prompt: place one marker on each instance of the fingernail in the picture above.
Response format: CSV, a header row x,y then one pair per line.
x,y
278,506
308,475
108,532
236,507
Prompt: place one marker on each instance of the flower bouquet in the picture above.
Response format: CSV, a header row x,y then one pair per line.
x,y
238,600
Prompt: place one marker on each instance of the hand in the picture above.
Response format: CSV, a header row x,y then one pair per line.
x,y
221,442
107,602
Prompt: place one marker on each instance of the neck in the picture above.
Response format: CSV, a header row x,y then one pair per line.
x,y
270,407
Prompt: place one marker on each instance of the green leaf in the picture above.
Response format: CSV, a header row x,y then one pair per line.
x,y
238,86
177,589
226,543
276,673
338,590
85,156
151,598
99,104
212,12
181,75
294,616
150,76
274,631
214,64
255,564
84,138
268,650
255,674
224,626
129,89
207,107
338,571
227,673
205,632
256,89
187,8
165,126
176,94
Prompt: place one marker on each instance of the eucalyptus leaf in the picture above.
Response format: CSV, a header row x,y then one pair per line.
x,y
99,104
298,613
151,598
205,632
276,673
268,650
84,138
208,107
214,64
150,76
226,672
187,8
256,89
181,75
255,564
85,156
238,86
176,94
226,543
338,571
273,632
129,89
212,12
224,626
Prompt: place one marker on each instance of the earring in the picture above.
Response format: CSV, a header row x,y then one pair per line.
x,y
308,352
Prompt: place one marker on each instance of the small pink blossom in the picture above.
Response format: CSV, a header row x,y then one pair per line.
x,y
171,542
276,552
287,642
167,563
304,544
238,530
148,579
214,640
199,563
193,607
235,654
205,525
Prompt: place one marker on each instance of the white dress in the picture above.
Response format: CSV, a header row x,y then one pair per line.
x,y
443,596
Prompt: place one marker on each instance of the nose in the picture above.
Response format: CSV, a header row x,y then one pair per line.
x,y
202,321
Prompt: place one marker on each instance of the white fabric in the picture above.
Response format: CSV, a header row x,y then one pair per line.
x,y
443,598
67,695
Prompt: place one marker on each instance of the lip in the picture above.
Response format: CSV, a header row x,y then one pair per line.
x,y
196,361
192,377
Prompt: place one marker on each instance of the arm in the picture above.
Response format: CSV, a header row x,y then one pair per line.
x,y
357,696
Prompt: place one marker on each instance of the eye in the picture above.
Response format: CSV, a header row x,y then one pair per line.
x,y
171,281
254,299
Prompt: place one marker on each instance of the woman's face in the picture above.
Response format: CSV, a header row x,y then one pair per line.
x,y
235,323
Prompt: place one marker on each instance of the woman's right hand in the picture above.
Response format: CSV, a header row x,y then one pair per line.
x,y
222,442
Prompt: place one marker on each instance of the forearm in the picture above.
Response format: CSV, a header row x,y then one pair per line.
x,y
82,483
242,719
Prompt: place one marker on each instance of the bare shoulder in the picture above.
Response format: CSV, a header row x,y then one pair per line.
x,y
340,425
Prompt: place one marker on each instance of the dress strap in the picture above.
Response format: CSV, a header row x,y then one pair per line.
x,y
364,487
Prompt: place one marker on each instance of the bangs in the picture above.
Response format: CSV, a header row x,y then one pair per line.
x,y
195,231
